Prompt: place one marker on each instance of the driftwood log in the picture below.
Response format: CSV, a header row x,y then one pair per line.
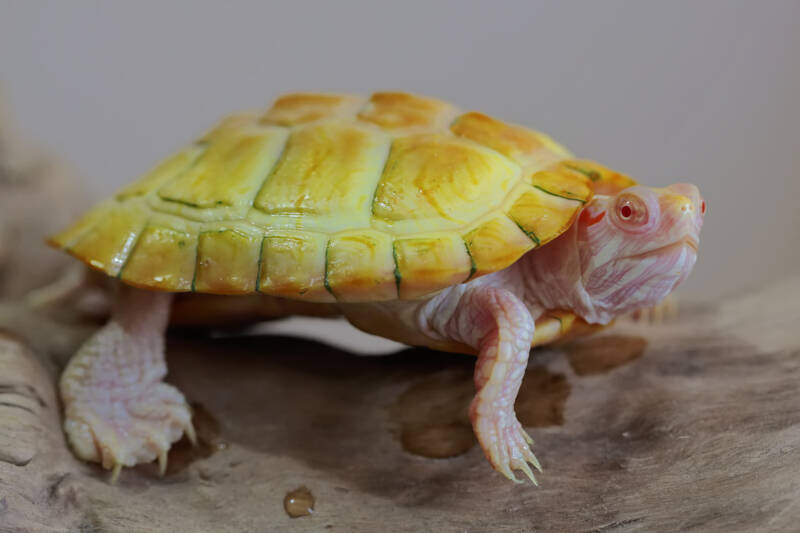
x,y
692,424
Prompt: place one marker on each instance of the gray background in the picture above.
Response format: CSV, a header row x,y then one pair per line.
x,y
705,92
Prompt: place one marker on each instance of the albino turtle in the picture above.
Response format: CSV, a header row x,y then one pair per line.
x,y
415,221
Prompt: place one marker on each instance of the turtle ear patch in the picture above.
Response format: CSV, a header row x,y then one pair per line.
x,y
588,219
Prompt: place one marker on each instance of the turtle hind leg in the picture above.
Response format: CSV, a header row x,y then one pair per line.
x,y
499,326
664,311
118,411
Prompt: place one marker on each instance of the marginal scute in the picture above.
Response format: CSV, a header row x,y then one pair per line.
x,y
327,169
393,110
227,126
227,262
299,108
541,215
106,245
603,180
426,264
360,266
163,258
293,266
231,170
521,144
495,244
569,185
438,176
67,238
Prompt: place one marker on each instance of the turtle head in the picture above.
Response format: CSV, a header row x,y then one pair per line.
x,y
637,245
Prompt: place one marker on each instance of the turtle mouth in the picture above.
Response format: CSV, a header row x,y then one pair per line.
x,y
691,242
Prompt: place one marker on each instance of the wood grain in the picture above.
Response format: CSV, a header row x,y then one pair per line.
x,y
693,424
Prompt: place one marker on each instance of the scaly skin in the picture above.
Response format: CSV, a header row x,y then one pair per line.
x,y
625,252
500,327
118,412
602,267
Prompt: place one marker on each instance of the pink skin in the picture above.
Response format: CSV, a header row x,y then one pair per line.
x,y
625,252
653,236
118,412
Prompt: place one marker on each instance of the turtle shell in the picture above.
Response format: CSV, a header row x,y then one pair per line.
x,y
331,197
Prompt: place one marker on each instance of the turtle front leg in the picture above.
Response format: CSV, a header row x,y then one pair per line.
x,y
497,324
118,411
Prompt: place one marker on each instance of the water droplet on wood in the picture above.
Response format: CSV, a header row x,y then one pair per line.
x,y
299,502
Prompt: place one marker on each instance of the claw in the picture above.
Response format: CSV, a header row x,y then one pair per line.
x,y
534,461
162,463
531,458
527,437
115,473
527,471
506,471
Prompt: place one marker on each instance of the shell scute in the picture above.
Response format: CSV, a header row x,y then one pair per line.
x,y
227,262
541,215
163,259
169,169
603,180
521,144
230,171
425,264
440,178
394,110
496,243
327,169
105,246
292,265
71,235
570,186
300,108
360,265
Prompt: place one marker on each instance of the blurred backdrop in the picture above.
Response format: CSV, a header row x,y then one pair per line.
x,y
705,92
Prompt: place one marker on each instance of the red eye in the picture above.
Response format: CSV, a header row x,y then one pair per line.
x,y
703,208
631,210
